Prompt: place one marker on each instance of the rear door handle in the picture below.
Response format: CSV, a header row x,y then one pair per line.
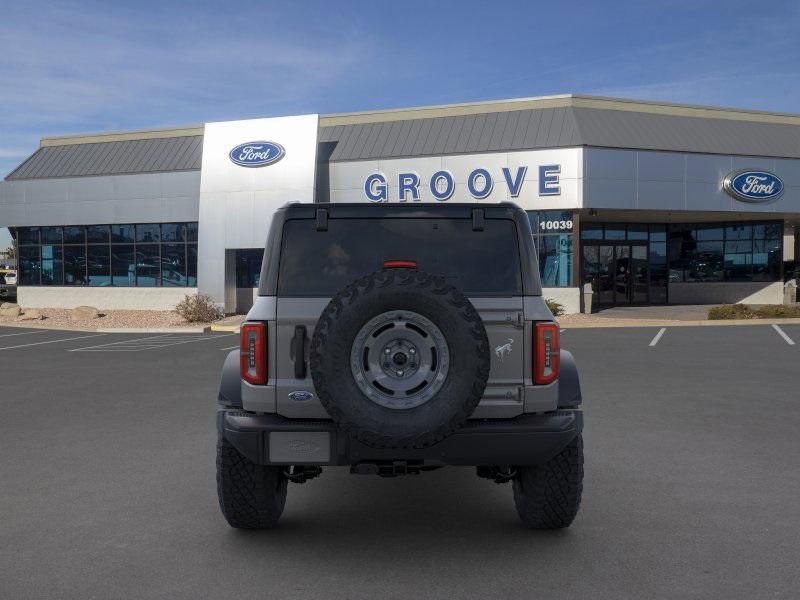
x,y
299,349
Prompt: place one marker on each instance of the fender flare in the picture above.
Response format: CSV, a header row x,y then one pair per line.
x,y
230,385
569,383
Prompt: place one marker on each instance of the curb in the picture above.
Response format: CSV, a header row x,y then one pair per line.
x,y
227,328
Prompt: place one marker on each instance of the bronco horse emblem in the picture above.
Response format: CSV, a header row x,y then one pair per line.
x,y
504,350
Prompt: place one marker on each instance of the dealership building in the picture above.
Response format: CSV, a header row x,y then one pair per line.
x,y
650,203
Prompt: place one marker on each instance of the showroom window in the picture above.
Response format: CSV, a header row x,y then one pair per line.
x,y
553,238
248,267
131,255
726,252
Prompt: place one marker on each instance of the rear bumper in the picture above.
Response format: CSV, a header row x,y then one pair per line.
x,y
275,440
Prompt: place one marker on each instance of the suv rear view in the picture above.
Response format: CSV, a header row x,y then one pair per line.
x,y
397,339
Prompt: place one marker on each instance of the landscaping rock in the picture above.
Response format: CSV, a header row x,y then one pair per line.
x,y
84,313
12,311
31,315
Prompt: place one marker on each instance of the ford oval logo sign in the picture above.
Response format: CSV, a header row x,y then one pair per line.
x,y
753,186
257,154
300,396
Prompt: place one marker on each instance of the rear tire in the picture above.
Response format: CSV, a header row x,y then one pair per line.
x,y
549,496
251,496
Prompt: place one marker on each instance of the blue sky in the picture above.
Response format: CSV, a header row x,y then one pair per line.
x,y
74,67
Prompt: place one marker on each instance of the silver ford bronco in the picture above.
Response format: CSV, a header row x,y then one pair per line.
x,y
396,339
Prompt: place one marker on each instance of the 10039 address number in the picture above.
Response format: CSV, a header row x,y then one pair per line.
x,y
556,225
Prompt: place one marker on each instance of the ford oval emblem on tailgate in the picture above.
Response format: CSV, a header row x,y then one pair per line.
x,y
300,396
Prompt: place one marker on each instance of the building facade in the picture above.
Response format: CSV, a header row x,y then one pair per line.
x,y
649,203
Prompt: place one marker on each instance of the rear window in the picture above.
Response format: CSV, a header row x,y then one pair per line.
x,y
320,263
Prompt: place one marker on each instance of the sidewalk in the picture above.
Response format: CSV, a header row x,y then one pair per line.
x,y
658,316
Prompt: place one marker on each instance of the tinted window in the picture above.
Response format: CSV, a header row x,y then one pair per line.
x,y
173,265
319,263
148,265
28,235
122,234
172,232
148,233
99,261
75,265
97,234
74,235
52,265
51,235
123,266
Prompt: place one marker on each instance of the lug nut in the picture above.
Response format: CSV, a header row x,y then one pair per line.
x,y
412,351
387,351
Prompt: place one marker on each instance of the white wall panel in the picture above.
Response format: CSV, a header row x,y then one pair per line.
x,y
229,192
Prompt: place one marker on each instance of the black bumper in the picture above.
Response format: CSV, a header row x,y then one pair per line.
x,y
525,440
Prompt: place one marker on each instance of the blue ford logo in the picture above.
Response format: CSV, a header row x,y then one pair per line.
x,y
300,396
257,154
753,186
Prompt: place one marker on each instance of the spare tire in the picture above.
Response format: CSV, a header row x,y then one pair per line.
x,y
400,359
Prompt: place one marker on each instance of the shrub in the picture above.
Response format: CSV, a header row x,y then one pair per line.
x,y
556,308
731,311
198,308
778,311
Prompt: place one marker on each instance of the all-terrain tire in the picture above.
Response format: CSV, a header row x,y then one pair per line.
x,y
251,496
549,496
397,290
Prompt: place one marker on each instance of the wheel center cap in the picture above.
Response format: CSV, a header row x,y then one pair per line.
x,y
399,359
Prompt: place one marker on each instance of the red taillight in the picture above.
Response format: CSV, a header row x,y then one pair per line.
x,y
546,353
399,264
253,353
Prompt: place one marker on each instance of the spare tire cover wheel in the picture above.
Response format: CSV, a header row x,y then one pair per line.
x,y
400,358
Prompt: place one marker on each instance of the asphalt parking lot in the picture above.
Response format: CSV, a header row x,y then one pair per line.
x,y
107,482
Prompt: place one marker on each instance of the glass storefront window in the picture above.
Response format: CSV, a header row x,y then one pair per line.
x,y
638,232
122,234
148,233
98,260
248,267
148,265
75,265
97,234
51,235
29,264
553,232
52,265
74,235
614,231
109,255
173,232
27,235
555,260
726,252
591,231
173,265
123,265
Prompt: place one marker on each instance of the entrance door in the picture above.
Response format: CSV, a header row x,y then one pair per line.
x,y
618,272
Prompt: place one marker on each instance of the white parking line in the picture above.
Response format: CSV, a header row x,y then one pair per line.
x,y
147,343
83,337
231,348
25,333
782,333
658,336
152,337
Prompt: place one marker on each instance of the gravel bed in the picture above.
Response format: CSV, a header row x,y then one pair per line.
x,y
57,318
